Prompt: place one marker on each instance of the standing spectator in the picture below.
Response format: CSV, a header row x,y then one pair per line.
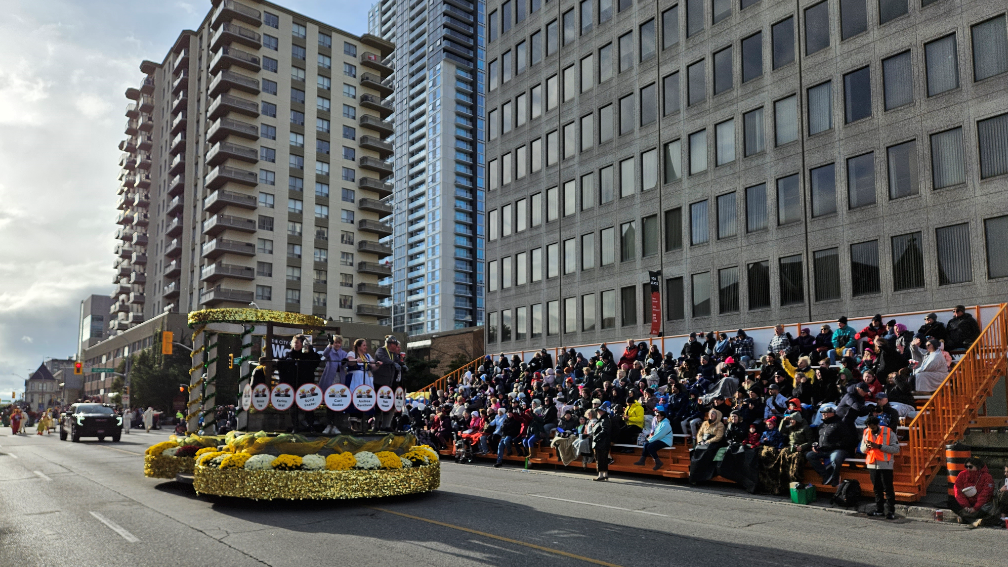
x,y
962,330
879,444
974,495
843,338
834,446
601,431
692,349
779,342
932,328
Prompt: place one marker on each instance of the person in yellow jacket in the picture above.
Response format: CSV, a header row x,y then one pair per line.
x,y
633,420
880,446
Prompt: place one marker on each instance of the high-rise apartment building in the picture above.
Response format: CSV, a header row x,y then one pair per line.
x,y
254,171
94,312
774,161
438,215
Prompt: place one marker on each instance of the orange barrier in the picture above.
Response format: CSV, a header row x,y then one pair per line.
x,y
956,456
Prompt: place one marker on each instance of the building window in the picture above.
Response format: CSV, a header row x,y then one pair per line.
x,y
268,132
817,28
608,239
349,91
752,57
295,206
891,9
865,268
853,18
552,204
694,17
648,104
347,237
588,312
721,10
948,161
587,191
861,180
628,305
992,137
569,27
569,198
269,87
607,192
902,160
264,293
269,110
605,63
294,251
297,117
789,205
521,268
997,253
857,95
908,261
537,322
699,224
506,325
897,79
990,48
270,42
786,120
670,91
346,258
270,64
758,281
673,161
324,61
674,308
942,65
826,265
298,52
349,49
298,30
722,71
823,190
728,290
753,124
756,208
647,40
649,238
627,178
606,123
265,223
570,144
698,152
293,296
587,131
783,42
628,242
271,20
297,74
696,87
649,169
701,294
955,263
724,142
264,269
608,309
294,228
588,251
267,177
727,221
670,27
792,288
626,56
673,229
321,255
296,140
820,108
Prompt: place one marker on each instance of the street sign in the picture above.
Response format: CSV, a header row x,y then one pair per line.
x,y
98,370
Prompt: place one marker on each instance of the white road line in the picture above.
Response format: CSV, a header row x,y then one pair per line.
x,y
42,476
13,455
115,527
598,505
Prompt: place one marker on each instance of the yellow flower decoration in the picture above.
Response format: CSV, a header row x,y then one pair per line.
x,y
205,450
161,447
340,462
286,463
202,460
389,460
235,461
427,450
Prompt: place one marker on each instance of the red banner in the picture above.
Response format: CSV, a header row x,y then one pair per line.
x,y
655,278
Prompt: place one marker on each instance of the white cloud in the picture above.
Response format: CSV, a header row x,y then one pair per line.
x,y
26,339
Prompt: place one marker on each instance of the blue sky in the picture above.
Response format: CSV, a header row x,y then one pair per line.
x,y
64,68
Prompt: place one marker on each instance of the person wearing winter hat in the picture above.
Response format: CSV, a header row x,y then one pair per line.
x,y
880,445
843,338
974,495
660,438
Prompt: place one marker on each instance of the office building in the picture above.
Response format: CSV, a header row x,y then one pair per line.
x,y
438,214
94,312
774,161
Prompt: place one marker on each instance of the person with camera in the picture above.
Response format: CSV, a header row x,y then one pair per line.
x,y
880,445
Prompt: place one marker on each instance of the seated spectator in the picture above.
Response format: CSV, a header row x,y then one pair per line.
x,y
803,378
753,439
888,359
885,412
510,431
736,431
975,502
660,438
629,354
931,366
898,387
834,446
843,338
824,342
568,423
633,417
692,349
743,345
723,348
776,404
874,386
962,330
866,336
805,343
772,437
932,328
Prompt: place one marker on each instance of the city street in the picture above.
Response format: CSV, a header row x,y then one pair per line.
x,y
89,504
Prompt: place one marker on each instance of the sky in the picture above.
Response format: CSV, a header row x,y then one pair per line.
x,y
64,70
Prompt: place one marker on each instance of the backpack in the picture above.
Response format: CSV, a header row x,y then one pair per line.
x,y
847,493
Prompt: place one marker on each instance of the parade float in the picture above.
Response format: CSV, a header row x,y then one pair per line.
x,y
260,460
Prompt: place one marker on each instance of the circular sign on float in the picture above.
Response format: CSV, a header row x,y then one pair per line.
x,y
260,397
364,398
386,399
282,397
337,397
308,397
400,399
246,399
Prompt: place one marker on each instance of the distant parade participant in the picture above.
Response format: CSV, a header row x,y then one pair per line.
x,y
334,373
360,365
297,368
388,373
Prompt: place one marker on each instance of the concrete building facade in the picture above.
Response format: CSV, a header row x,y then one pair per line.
x,y
774,161
255,171
438,204
94,314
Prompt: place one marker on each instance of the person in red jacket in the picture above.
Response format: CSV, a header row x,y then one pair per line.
x,y
629,354
867,335
974,495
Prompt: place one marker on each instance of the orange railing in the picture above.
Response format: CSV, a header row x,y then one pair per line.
x,y
945,417
442,382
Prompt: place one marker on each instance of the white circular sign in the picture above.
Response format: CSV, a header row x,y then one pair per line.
x,y
308,397
246,399
282,397
386,399
364,398
260,397
337,397
400,399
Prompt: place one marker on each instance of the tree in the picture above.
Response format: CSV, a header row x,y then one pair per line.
x,y
420,373
116,389
155,378
458,361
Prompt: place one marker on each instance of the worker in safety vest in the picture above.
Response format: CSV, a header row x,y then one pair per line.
x,y
880,445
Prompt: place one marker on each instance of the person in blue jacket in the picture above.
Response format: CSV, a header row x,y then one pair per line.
x,y
660,438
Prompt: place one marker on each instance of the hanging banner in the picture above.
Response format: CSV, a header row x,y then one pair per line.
x,y
337,397
282,397
364,398
308,397
260,397
655,278
400,399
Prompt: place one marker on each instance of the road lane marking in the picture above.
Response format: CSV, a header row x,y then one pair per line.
x,y
120,450
42,476
599,505
498,538
13,455
115,527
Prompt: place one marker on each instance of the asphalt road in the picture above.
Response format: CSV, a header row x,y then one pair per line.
x,y
88,503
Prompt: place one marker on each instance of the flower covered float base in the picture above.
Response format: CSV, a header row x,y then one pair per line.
x,y
293,467
177,455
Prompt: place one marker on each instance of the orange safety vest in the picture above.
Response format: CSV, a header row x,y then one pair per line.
x,y
883,439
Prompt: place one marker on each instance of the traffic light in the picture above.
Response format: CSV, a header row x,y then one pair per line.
x,y
181,388
166,342
78,368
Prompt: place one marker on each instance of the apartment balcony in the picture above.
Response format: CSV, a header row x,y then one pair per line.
x,y
375,164
128,145
383,47
377,124
136,298
141,219
124,233
374,205
383,148
233,33
173,269
227,80
144,162
121,288
177,165
122,270
127,162
374,268
457,49
221,198
146,142
124,218
139,239
229,10
179,122
373,310
141,199
139,258
371,184
376,103
181,82
219,246
175,205
170,291
375,290
119,307
176,185
123,203
180,102
177,143
228,127
370,247
174,228
147,87
181,59
220,294
118,325
133,93
135,318
223,151
219,223
138,278
146,123
223,174
233,57
142,181
132,110
374,227
131,127
373,81
217,271
173,249
226,103
374,61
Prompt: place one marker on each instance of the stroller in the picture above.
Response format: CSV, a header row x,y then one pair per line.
x,y
463,450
